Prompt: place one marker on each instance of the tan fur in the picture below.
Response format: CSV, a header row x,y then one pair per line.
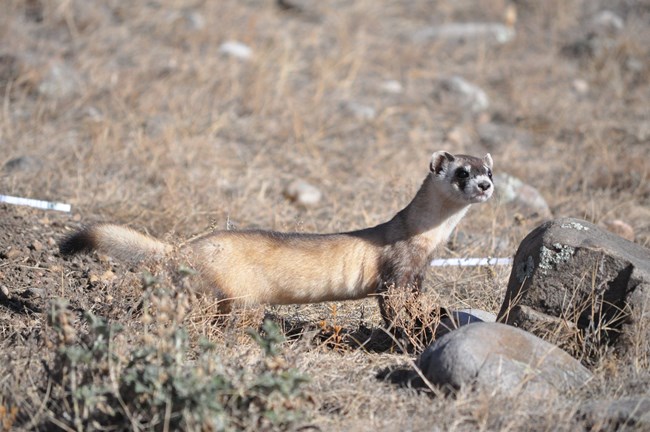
x,y
287,268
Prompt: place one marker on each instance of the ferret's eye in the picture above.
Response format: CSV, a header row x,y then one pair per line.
x,y
489,173
462,173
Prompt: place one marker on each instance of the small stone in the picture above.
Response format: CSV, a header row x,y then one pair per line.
x,y
466,94
303,193
93,278
524,197
633,64
494,356
11,253
360,111
494,136
580,86
22,163
37,246
51,241
606,23
236,49
4,290
392,86
38,292
195,20
61,81
620,228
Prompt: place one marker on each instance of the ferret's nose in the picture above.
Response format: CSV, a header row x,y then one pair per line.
x,y
484,185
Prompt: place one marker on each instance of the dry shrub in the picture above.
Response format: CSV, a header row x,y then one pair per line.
x,y
414,318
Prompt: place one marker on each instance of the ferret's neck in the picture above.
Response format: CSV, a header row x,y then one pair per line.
x,y
428,219
430,209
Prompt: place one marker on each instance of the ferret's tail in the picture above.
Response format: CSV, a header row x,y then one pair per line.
x,y
117,241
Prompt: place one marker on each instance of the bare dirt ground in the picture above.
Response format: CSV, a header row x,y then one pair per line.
x,y
132,114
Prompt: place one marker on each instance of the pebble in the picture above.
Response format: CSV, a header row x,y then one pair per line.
x,y
580,86
236,49
495,135
360,111
467,94
195,20
510,189
303,193
606,23
22,163
392,86
39,292
11,253
61,81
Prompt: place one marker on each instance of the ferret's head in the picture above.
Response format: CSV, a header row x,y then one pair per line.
x,y
463,178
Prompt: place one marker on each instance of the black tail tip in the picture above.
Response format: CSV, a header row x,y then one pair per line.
x,y
80,241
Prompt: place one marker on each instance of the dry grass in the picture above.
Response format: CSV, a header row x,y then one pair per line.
x,y
160,131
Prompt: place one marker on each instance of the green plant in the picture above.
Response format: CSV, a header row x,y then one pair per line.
x,y
165,383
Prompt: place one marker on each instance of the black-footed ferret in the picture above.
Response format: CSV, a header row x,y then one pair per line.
x,y
252,266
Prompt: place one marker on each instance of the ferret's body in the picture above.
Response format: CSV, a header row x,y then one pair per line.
x,y
287,268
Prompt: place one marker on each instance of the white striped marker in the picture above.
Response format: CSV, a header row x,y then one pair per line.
x,y
470,262
45,205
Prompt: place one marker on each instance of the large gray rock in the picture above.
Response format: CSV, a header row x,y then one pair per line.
x,y
574,280
496,356
457,318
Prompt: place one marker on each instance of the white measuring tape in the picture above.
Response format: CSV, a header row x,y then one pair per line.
x,y
45,205
469,262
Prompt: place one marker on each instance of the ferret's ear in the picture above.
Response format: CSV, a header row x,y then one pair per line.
x,y
487,160
439,161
